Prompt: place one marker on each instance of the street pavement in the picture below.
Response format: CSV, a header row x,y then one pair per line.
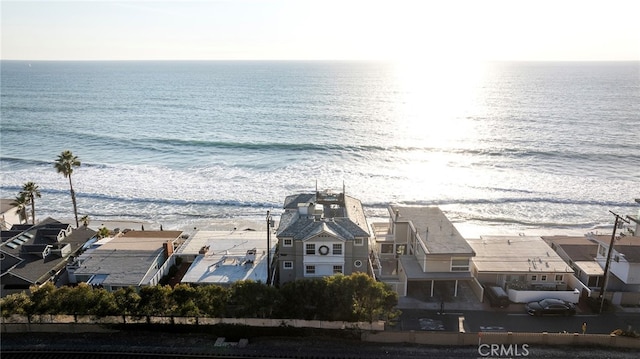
x,y
512,319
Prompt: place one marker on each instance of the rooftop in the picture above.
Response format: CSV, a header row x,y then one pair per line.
x,y
629,246
518,254
309,213
577,248
21,261
140,240
127,258
590,268
224,257
434,228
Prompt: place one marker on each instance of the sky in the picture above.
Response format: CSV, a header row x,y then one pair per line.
x,y
389,30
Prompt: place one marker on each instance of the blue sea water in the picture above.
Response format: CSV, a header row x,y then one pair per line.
x,y
517,145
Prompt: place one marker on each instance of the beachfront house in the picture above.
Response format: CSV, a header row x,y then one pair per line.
x,y
129,258
37,254
580,254
623,282
525,267
321,234
421,254
224,257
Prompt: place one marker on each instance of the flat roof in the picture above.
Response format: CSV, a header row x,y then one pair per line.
x,y
503,254
590,268
127,258
434,228
119,267
226,259
140,240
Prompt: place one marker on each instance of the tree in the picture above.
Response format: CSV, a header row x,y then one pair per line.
x,y
30,190
184,297
212,300
42,301
21,203
127,300
103,232
302,298
85,220
17,303
156,300
65,163
252,299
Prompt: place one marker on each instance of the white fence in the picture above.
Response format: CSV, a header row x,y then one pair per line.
x,y
525,296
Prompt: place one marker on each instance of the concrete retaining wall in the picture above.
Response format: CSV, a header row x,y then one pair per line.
x,y
20,323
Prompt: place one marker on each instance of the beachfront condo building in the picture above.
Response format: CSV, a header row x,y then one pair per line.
x,y
321,234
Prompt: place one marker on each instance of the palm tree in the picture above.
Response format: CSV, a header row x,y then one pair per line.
x,y
21,202
31,190
85,220
64,164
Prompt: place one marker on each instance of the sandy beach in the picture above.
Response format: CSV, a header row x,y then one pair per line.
x,y
466,229
209,225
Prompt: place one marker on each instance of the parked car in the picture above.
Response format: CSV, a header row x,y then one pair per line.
x,y
551,306
497,296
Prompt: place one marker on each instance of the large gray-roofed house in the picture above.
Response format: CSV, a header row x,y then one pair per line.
x,y
134,258
39,254
320,234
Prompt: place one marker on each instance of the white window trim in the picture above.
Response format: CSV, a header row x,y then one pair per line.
x,y
355,242
306,250
284,242
285,263
306,269
333,249
460,267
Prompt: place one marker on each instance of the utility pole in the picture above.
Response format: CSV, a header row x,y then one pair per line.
x,y
269,222
607,263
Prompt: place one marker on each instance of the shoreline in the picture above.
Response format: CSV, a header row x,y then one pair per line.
x,y
468,230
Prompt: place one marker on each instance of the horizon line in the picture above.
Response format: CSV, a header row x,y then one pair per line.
x,y
310,60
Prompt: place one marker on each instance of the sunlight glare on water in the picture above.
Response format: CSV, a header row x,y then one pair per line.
x,y
435,119
434,102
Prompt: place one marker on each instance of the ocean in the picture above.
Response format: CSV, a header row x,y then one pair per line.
x,y
520,146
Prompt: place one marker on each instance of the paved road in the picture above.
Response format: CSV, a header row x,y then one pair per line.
x,y
504,321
